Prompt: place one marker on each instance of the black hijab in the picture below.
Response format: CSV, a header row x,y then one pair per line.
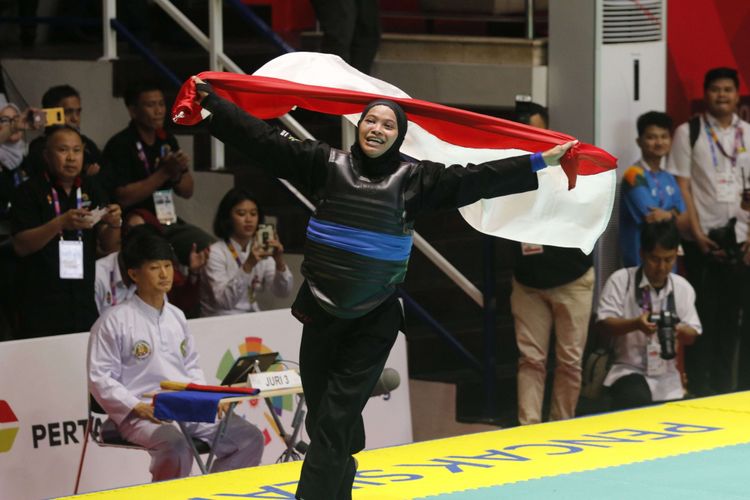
x,y
387,162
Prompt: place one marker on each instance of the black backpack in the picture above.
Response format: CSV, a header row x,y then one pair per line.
x,y
694,125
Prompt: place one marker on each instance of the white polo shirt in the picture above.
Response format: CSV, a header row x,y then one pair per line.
x,y
618,300
716,185
109,288
132,348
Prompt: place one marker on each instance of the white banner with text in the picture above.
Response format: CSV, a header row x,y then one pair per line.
x,y
43,405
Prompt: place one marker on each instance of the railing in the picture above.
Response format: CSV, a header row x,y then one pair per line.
x,y
219,61
528,18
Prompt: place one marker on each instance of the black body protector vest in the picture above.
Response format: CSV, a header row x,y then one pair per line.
x,y
358,239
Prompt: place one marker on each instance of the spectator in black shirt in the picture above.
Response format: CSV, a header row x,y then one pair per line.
x,y
68,98
552,288
53,215
144,164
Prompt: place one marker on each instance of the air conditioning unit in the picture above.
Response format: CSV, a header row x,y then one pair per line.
x,y
607,65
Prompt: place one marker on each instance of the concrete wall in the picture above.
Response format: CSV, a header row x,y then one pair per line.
x,y
102,116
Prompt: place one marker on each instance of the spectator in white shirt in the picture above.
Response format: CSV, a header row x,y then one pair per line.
x,y
238,267
112,286
711,162
631,297
136,345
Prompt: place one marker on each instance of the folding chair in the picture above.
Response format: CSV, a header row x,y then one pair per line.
x,y
104,433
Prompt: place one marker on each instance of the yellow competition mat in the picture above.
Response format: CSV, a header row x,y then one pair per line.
x,y
492,459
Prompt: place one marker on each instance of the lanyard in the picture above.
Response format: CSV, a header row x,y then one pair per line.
x,y
646,305
254,284
655,178
112,287
56,203
18,177
234,253
643,295
714,143
142,156
164,150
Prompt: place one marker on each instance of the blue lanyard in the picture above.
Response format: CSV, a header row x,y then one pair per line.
x,y
655,178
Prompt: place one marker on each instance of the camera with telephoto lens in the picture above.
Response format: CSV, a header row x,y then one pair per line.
x,y
726,238
666,331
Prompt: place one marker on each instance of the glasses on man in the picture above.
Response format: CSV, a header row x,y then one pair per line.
x,y
7,119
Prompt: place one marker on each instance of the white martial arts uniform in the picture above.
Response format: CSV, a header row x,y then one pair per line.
x,y
132,348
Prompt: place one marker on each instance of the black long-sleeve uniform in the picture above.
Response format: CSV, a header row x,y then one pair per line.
x,y
348,303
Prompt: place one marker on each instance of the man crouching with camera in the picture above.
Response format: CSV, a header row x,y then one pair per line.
x,y
648,312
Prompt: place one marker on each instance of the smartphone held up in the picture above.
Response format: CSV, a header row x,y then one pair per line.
x,y
263,235
46,117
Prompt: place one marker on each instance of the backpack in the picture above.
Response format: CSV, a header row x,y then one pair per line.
x,y
595,369
694,125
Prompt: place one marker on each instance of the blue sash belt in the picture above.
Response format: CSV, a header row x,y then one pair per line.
x,y
360,241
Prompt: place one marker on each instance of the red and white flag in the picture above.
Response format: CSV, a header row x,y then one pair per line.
x,y
551,215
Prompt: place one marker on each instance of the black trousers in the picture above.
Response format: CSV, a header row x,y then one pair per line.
x,y
630,391
340,363
351,30
721,297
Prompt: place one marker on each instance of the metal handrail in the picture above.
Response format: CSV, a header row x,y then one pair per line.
x,y
297,129
144,51
257,23
54,21
219,60
468,357
527,20
112,27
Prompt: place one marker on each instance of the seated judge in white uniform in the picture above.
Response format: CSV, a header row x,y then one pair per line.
x,y
630,304
239,268
137,344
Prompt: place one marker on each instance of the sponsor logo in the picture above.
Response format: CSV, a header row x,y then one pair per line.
x,y
8,427
255,345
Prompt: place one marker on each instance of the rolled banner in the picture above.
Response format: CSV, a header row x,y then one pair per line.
x,y
171,385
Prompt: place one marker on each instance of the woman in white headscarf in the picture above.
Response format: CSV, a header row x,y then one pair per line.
x,y
13,148
12,152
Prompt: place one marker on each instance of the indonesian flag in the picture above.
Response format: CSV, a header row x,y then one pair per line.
x,y
551,215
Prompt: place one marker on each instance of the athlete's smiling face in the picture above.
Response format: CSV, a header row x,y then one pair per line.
x,y
377,131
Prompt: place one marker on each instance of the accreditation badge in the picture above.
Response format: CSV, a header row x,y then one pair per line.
x,y
71,259
164,206
726,187
655,365
531,249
